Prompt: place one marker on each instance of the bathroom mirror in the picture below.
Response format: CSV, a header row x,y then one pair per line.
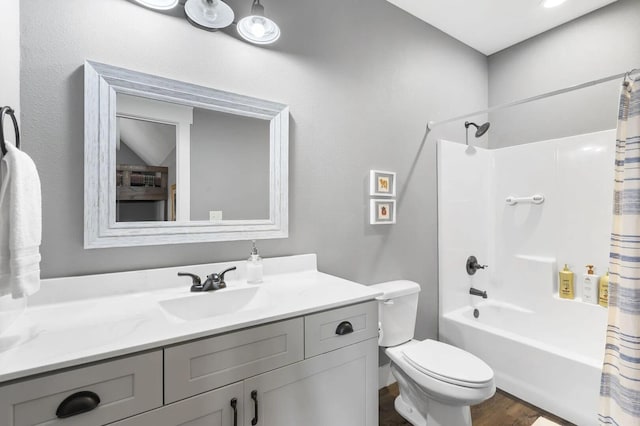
x,y
170,162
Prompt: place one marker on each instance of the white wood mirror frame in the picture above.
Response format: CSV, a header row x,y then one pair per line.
x,y
102,84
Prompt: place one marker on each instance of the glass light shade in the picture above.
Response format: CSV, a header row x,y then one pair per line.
x,y
213,15
258,29
159,4
552,3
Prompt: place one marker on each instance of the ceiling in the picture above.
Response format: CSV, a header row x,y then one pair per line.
x,y
492,25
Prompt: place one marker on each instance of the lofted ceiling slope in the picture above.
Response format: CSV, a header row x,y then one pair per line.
x,y
492,25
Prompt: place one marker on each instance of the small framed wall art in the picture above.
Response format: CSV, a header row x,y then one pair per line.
x,y
382,184
382,212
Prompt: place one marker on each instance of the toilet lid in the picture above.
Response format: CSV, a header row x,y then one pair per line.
x,y
448,363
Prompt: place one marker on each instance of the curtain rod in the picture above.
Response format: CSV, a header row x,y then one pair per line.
x,y
432,124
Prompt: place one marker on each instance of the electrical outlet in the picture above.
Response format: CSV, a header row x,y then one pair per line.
x,y
215,215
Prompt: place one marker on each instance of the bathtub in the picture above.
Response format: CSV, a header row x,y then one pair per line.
x,y
551,361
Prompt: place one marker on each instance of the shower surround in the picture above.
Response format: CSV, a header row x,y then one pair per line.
x,y
543,349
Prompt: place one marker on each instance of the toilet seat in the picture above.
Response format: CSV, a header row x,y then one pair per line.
x,y
448,364
436,385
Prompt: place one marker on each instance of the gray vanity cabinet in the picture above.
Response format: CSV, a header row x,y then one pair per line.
x,y
317,370
314,370
338,388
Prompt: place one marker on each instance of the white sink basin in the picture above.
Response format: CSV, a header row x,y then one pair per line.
x,y
215,303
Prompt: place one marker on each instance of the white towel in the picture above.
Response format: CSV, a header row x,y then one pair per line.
x,y
20,224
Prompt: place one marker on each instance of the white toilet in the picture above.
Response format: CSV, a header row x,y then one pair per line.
x,y
438,382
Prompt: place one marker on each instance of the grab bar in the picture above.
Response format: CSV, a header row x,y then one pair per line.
x,y
534,199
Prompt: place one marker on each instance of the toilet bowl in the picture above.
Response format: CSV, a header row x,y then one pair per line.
x,y
437,382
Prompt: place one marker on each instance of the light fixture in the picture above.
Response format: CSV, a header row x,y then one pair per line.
x,y
159,4
552,3
256,28
212,15
208,14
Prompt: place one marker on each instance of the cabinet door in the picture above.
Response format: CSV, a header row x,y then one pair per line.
x,y
221,407
339,388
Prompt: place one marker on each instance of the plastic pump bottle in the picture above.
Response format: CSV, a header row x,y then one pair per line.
x,y
565,287
254,266
603,299
565,281
590,286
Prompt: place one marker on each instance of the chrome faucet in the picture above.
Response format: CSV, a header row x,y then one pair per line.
x,y
476,292
213,282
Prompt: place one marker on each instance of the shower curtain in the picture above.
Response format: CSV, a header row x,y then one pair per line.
x,y
620,381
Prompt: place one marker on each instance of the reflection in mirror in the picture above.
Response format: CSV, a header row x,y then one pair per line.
x,y
224,162
229,148
172,162
145,170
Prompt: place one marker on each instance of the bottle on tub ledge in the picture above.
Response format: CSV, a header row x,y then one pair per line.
x,y
254,266
565,283
603,299
590,286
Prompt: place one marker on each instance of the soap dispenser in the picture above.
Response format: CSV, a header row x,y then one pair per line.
x,y
565,287
254,266
590,286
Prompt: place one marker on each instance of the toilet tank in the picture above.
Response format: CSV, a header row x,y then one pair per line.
x,y
397,310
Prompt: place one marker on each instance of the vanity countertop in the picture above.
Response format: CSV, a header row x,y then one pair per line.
x,y
78,320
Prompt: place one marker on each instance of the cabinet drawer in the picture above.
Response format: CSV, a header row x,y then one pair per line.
x,y
321,332
221,407
202,365
125,387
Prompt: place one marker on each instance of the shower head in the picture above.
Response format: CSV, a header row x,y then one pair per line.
x,y
481,130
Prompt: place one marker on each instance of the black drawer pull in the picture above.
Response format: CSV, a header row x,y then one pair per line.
x,y
78,403
344,327
254,396
234,405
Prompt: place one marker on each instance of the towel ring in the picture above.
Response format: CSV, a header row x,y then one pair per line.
x,y
8,110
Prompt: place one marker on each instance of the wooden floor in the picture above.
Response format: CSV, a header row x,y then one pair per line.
x,y
500,410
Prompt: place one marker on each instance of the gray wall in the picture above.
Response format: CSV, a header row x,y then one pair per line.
x,y
10,58
361,83
597,45
229,166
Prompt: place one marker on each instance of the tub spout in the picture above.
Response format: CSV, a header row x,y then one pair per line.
x,y
476,292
